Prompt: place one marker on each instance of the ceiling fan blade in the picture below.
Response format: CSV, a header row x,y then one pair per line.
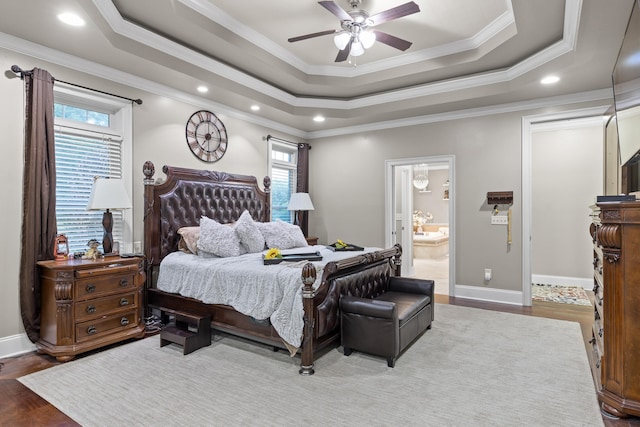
x,y
392,41
344,53
336,10
312,35
393,13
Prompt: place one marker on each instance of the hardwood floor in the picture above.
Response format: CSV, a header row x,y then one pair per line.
x,y
19,406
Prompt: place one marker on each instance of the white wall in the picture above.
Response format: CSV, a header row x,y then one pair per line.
x,y
433,201
567,170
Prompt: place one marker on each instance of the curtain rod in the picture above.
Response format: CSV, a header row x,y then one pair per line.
x,y
17,70
269,137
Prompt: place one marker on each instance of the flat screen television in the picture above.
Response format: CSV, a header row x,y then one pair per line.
x,y
626,90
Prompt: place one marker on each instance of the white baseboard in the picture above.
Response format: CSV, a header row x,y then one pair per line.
x,y
15,345
488,294
586,283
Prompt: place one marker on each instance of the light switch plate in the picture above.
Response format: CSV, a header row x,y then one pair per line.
x,y
499,220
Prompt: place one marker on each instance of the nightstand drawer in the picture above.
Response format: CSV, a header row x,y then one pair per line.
x,y
102,284
100,306
90,329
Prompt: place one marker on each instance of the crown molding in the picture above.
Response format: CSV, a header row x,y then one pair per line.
x,y
24,47
217,15
595,95
140,35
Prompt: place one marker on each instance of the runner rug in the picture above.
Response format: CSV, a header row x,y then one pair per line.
x,y
561,294
473,368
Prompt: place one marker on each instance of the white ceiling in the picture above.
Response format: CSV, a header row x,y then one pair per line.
x,y
465,54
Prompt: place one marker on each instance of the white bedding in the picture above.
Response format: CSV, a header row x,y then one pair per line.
x,y
271,292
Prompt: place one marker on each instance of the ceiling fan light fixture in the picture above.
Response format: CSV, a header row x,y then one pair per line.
x,y
356,49
367,38
341,40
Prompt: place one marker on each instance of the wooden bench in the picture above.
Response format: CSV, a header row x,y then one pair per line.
x,y
191,331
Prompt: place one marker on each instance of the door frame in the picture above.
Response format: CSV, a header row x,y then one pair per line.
x,y
389,205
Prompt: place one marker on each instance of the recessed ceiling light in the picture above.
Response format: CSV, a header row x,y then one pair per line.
x,y
550,80
255,108
71,19
318,119
203,89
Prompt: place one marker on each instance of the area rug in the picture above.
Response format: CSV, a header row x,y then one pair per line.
x,y
561,294
473,368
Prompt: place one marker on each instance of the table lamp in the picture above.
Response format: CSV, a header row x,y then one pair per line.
x,y
299,202
108,193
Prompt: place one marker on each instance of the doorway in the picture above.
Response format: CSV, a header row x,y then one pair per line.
x,y
419,215
531,125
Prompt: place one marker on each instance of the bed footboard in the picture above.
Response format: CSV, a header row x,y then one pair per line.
x,y
363,275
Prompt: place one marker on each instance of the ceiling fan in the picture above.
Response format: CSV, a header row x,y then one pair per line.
x,y
356,34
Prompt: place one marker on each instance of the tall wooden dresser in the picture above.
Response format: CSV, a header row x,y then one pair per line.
x,y
89,304
616,329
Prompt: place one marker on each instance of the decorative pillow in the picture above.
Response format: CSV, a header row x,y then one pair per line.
x,y
275,235
189,239
295,233
249,233
218,239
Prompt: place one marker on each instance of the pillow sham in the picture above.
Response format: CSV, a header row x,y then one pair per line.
x,y
189,239
218,239
275,235
295,233
249,233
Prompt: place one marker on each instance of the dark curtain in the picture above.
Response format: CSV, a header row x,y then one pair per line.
x,y
303,182
38,194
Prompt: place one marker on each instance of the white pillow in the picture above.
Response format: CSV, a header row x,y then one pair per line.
x,y
220,240
295,233
249,233
276,235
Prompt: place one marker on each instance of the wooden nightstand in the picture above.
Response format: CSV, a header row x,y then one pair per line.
x,y
89,304
312,240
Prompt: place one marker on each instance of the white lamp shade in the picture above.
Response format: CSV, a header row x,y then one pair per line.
x,y
300,202
367,38
108,193
341,40
356,49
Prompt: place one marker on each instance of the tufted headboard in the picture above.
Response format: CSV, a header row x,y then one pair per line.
x,y
186,195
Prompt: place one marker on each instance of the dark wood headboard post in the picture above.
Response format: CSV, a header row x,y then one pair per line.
x,y
148,169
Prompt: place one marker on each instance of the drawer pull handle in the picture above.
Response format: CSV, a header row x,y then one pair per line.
x,y
91,288
124,282
123,302
91,309
124,321
91,330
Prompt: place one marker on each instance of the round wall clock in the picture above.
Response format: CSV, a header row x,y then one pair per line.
x,y
206,136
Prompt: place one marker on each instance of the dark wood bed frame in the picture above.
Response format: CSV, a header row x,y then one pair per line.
x,y
187,194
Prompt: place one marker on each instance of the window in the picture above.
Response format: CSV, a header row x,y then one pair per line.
x,y
283,165
91,139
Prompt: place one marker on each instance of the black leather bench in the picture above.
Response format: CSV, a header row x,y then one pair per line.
x,y
387,324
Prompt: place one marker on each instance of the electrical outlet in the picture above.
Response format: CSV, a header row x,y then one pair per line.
x,y
137,247
487,274
499,219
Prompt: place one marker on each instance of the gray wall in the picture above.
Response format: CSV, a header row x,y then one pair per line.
x,y
346,176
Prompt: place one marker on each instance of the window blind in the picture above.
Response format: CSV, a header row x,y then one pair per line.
x,y
80,156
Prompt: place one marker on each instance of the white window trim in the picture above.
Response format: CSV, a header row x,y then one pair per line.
x,y
287,146
121,119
